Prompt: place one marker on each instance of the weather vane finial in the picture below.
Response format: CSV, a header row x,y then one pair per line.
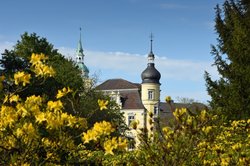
x,y
80,33
151,42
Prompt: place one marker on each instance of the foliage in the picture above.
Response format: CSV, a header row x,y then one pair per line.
x,y
18,60
194,139
231,93
185,100
36,130
82,102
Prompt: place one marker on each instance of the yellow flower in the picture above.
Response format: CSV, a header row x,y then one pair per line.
x,y
19,132
33,100
14,98
48,71
179,112
206,129
100,129
225,161
168,99
237,146
22,77
44,70
41,117
55,105
104,128
122,143
167,131
63,92
242,161
190,120
103,104
110,145
36,58
203,115
8,116
90,135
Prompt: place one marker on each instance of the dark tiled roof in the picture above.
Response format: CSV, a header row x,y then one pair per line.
x,y
117,84
131,100
164,107
130,92
166,114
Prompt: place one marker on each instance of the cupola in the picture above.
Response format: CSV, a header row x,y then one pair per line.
x,y
80,59
151,74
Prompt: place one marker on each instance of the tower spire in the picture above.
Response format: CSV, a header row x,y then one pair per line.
x,y
80,57
151,55
151,42
79,48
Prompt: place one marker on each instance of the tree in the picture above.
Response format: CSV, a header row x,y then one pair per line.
x,y
37,131
231,93
83,102
185,100
67,75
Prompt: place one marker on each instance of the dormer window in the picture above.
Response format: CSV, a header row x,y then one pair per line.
x,y
131,118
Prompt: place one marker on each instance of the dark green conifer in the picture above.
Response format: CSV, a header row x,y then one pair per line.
x,y
231,92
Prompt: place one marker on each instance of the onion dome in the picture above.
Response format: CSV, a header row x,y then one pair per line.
x,y
151,74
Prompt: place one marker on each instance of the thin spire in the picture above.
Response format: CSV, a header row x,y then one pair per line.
x,y
80,34
79,48
151,56
151,43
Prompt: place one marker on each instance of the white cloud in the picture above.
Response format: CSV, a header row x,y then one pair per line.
x,y
131,63
129,66
188,73
5,45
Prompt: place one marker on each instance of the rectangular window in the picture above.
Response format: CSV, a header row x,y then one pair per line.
x,y
130,119
150,94
155,110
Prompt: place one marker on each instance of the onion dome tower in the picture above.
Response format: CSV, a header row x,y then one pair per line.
x,y
80,59
150,90
151,74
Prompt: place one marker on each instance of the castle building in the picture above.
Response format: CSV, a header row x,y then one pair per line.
x,y
139,102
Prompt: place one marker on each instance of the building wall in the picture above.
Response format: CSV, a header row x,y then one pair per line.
x,y
138,114
139,118
151,103
144,92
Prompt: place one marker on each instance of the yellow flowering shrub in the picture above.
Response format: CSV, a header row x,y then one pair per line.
x,y
37,131
201,138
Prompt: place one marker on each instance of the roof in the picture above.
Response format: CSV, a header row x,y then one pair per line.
x,y
151,74
129,92
131,100
166,114
164,107
113,84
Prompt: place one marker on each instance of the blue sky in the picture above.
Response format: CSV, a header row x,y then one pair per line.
x,y
115,36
